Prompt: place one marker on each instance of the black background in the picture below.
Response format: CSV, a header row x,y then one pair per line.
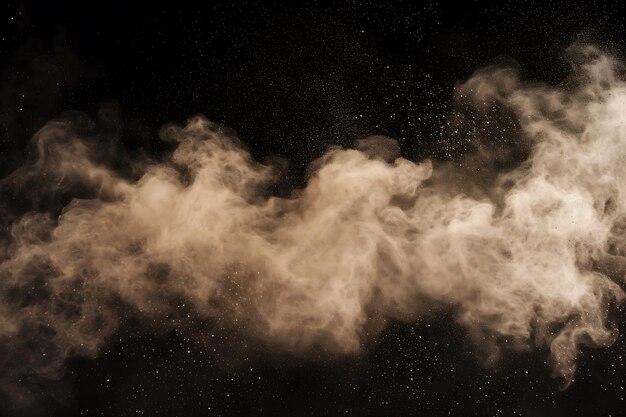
x,y
293,78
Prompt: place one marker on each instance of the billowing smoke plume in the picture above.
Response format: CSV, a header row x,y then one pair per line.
x,y
524,254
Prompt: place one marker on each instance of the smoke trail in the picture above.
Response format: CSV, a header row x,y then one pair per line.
x,y
524,254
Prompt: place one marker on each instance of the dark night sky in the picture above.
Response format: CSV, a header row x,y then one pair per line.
x,y
293,78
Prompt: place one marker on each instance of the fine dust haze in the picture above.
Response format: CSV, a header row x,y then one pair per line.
x,y
524,254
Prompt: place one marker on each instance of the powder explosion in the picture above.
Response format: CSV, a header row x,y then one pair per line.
x,y
524,254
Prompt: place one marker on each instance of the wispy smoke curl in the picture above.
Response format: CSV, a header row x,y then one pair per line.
x,y
524,254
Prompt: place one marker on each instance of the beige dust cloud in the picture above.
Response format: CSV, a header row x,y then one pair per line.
x,y
525,256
